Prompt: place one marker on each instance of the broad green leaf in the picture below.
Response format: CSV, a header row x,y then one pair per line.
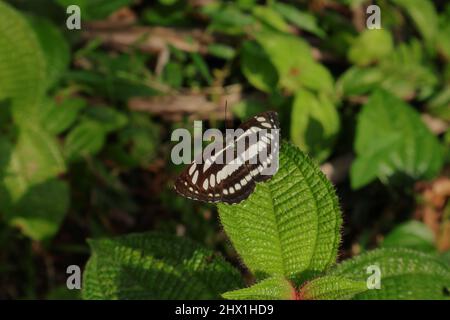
x,y
314,124
58,117
276,288
22,65
289,226
55,47
155,266
424,15
392,142
270,17
257,68
331,288
370,46
86,139
303,20
412,234
405,274
292,58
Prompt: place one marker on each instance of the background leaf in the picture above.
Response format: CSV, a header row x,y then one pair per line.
x,y
314,124
22,65
155,266
392,139
412,234
405,274
370,46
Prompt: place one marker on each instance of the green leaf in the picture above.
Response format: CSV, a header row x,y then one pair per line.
x,y
22,65
289,226
56,118
424,15
34,159
107,117
358,81
86,139
30,196
221,51
270,17
155,266
138,142
403,72
276,288
40,211
370,46
227,18
303,20
331,288
314,124
294,70
412,234
54,46
405,274
257,68
393,143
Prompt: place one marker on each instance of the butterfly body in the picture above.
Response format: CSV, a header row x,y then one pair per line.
x,y
233,181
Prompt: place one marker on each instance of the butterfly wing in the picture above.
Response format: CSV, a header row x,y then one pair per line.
x,y
232,181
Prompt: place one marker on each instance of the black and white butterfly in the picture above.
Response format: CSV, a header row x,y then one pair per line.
x,y
233,181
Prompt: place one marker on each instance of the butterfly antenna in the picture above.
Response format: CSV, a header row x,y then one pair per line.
x,y
226,106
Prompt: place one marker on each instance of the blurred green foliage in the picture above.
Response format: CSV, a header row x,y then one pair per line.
x,y
77,161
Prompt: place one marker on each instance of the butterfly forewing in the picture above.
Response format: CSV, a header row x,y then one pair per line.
x,y
252,157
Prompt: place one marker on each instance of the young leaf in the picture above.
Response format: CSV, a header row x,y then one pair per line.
x,y
155,266
290,225
22,65
412,234
405,274
331,288
392,141
314,124
275,288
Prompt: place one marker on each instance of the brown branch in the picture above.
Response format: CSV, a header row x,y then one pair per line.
x,y
195,105
149,39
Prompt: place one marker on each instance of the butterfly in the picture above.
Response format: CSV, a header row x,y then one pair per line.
x,y
234,180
